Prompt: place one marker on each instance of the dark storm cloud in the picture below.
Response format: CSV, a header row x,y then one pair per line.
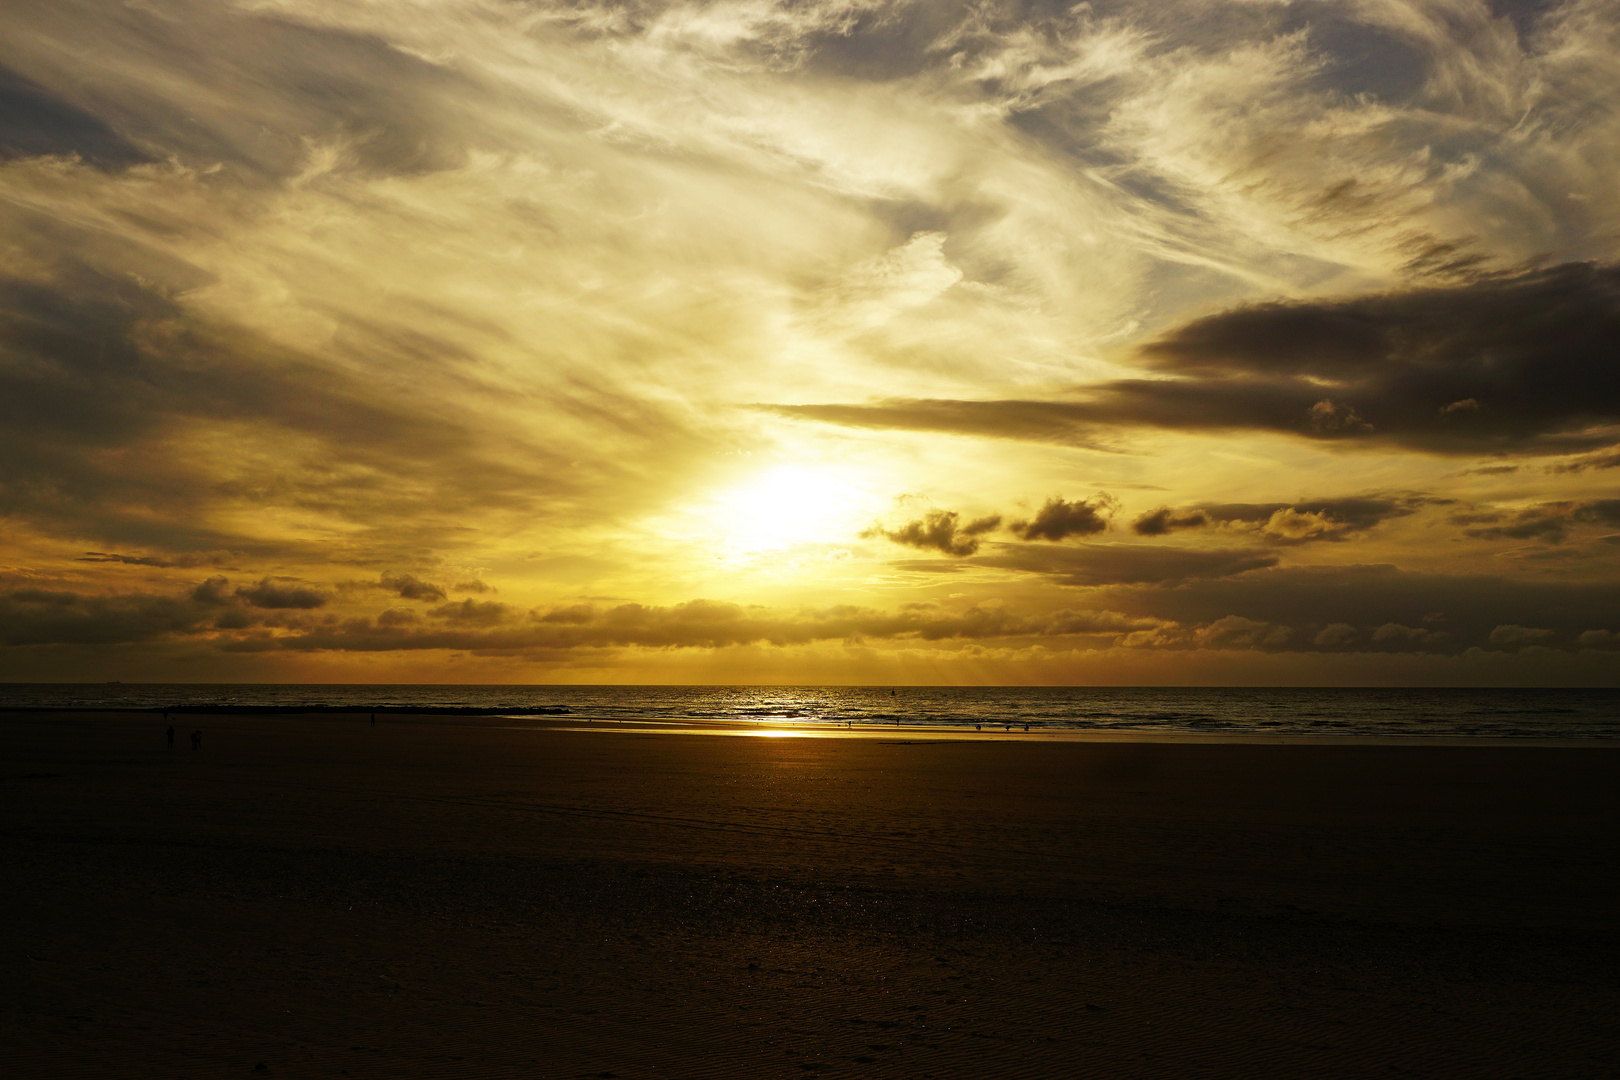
x,y
207,83
1310,519
1107,564
1058,519
1549,521
1509,363
939,530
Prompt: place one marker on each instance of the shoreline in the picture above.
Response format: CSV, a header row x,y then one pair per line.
x,y
582,723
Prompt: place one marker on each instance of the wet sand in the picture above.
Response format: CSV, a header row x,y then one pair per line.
x,y
471,897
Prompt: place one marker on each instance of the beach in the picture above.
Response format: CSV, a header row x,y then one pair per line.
x,y
478,897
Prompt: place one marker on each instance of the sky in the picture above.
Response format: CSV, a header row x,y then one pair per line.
x,y
1187,342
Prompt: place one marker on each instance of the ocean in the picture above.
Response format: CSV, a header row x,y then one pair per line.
x,y
1384,712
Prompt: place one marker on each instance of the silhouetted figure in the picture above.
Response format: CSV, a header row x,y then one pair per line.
x,y
170,735
196,739
373,719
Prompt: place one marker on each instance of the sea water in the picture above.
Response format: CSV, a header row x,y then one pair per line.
x,y
1501,713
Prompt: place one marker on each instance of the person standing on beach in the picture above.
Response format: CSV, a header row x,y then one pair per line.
x,y
170,736
196,739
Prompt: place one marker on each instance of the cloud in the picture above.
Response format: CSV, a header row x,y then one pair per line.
x,y
1507,362
1308,519
1595,461
108,385
1236,632
410,587
1038,421
1335,634
1511,636
1390,609
1547,521
1163,521
1058,519
34,122
1512,362
321,289
939,530
267,84
268,594
1598,639
1338,609
1108,564
473,613
695,624
128,560
1391,633
41,616
212,592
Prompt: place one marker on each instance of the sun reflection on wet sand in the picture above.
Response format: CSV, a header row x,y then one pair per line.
x,y
1046,735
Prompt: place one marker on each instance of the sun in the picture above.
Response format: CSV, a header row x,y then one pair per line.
x,y
788,506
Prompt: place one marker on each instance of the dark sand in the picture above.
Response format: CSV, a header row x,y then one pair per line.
x,y
453,898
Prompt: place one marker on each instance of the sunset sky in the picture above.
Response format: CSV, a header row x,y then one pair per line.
x,y
821,342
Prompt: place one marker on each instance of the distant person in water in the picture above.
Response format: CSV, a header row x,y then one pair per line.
x,y
170,735
196,739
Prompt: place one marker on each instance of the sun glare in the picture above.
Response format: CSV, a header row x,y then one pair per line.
x,y
787,506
